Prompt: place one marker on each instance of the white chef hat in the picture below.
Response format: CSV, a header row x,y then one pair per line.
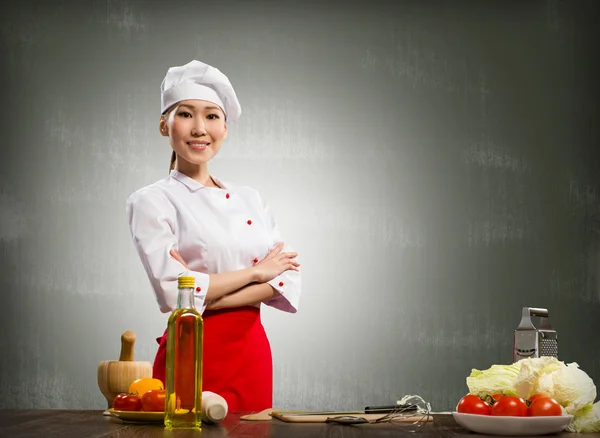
x,y
197,80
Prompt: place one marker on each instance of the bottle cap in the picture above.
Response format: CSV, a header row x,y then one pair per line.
x,y
186,281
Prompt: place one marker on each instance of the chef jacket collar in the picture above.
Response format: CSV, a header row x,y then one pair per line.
x,y
191,183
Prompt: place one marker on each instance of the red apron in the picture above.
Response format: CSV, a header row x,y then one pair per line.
x,y
236,358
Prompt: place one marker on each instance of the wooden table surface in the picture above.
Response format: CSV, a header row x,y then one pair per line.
x,y
92,424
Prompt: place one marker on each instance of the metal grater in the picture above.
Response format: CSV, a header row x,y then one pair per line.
x,y
530,341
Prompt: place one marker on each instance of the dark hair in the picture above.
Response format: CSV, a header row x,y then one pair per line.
x,y
173,154
173,158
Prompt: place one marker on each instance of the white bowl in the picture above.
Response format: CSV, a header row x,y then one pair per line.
x,y
515,426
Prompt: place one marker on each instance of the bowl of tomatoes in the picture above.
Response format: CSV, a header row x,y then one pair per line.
x,y
500,414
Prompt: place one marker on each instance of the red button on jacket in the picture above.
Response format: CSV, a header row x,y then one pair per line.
x,y
280,283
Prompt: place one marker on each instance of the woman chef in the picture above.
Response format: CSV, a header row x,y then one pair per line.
x,y
223,234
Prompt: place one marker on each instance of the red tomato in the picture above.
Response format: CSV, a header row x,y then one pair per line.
x,y
510,406
127,402
497,396
471,404
534,396
544,407
154,400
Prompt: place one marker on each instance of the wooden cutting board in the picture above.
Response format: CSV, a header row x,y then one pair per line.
x,y
305,417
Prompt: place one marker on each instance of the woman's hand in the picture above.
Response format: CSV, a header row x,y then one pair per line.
x,y
275,263
175,254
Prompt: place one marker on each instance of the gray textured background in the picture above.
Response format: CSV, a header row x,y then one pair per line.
x,y
436,165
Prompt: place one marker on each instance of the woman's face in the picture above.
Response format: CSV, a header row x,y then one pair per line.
x,y
196,129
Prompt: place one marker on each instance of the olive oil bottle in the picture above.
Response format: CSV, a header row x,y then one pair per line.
x,y
185,330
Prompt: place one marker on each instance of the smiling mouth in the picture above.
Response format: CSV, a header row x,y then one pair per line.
x,y
197,146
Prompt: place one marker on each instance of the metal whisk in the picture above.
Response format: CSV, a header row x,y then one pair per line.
x,y
406,410
404,416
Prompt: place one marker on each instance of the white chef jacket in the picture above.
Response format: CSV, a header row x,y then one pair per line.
x,y
214,229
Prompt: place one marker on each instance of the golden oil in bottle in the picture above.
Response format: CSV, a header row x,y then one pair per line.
x,y
185,330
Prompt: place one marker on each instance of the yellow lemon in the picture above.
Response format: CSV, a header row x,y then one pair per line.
x,y
143,385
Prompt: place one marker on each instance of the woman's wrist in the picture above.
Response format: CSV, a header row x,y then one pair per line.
x,y
254,275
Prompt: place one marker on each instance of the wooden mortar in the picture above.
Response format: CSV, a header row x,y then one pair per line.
x,y
115,376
